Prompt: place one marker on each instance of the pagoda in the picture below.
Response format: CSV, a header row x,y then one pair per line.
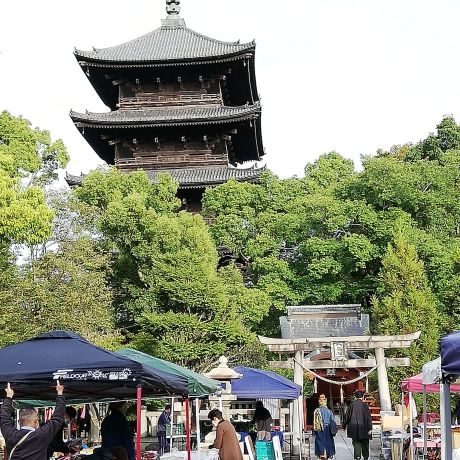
x,y
180,102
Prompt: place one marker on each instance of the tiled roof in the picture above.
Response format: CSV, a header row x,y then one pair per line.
x,y
167,116
312,321
350,309
199,177
195,178
324,327
166,44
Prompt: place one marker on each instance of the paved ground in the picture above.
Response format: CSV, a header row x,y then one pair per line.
x,y
344,449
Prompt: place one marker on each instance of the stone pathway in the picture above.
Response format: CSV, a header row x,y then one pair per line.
x,y
344,448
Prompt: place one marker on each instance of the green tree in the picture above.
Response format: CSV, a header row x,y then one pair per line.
x,y
63,287
168,292
406,305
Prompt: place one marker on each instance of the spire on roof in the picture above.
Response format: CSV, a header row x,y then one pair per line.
x,y
173,6
173,19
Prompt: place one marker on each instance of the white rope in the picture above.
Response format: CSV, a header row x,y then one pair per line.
x,y
335,382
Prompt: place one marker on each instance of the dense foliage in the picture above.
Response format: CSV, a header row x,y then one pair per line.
x,y
118,249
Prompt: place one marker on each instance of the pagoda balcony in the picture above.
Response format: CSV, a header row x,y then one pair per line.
x,y
172,159
184,98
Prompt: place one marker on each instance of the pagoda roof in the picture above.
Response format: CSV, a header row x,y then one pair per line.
x,y
189,178
167,116
195,178
170,45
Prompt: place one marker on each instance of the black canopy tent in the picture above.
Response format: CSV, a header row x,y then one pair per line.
x,y
88,372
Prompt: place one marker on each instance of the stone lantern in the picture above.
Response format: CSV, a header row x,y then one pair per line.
x,y
224,374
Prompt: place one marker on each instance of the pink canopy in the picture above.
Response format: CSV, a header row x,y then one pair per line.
x,y
414,385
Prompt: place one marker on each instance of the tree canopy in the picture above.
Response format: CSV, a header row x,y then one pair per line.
x,y
119,249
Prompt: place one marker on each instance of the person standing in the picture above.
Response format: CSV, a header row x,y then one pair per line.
x,y
163,421
263,420
358,421
324,441
57,444
226,438
30,441
115,431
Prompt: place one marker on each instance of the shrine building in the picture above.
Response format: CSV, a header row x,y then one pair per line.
x,y
180,102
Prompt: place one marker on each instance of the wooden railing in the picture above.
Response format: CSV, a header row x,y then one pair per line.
x,y
169,99
174,158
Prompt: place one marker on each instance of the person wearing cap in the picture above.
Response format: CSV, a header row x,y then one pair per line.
x,y
324,441
358,421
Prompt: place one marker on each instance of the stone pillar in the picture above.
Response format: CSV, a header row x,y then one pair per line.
x,y
382,377
297,417
144,421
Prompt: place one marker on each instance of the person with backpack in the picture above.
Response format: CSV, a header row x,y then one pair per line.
x,y
324,428
30,441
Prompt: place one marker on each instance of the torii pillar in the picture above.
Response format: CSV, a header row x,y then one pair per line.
x,y
297,416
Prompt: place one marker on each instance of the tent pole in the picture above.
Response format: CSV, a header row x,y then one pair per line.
x,y
402,425
172,425
197,416
300,430
425,450
138,422
410,427
446,421
187,429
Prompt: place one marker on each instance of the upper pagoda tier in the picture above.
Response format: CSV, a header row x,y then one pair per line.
x,y
172,51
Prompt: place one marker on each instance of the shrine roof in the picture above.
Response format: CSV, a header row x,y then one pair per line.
x,y
167,44
193,178
167,116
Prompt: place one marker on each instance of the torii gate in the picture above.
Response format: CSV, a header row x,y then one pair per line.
x,y
339,346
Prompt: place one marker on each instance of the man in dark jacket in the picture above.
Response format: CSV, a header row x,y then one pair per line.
x,y
30,442
115,431
163,421
358,421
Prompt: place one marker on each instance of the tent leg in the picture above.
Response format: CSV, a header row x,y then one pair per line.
x,y
425,450
410,427
197,416
402,425
172,426
187,429
138,422
446,422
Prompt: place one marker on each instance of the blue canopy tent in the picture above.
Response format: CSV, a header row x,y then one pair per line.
x,y
450,370
88,372
257,383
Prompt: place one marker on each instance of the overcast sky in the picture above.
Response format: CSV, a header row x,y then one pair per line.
x,y
345,75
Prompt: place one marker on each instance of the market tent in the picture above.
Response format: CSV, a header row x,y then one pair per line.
x,y
257,383
450,354
414,384
198,385
88,372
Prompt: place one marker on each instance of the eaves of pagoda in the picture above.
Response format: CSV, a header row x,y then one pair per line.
x,y
163,117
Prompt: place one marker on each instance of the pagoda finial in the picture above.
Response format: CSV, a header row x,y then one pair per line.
x,y
173,19
173,7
